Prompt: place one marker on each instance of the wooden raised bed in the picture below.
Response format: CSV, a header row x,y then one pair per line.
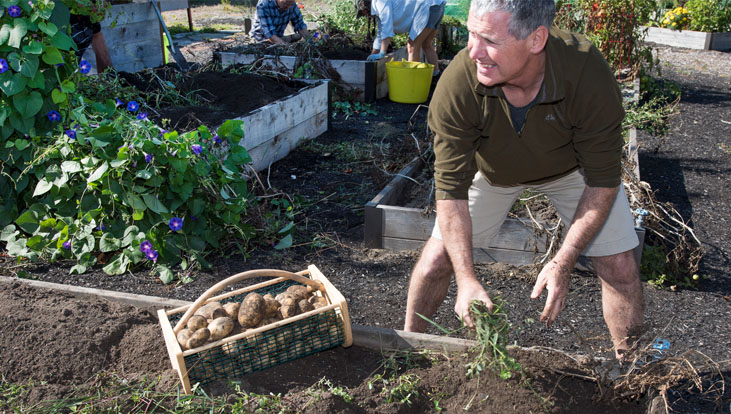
x,y
366,79
272,131
689,39
390,226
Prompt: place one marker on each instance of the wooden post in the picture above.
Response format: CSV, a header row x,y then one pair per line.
x,y
162,37
190,20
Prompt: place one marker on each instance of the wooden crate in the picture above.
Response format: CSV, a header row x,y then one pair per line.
x,y
263,347
689,39
367,80
272,131
389,226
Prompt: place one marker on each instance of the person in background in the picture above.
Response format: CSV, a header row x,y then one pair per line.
x,y
529,106
85,33
419,18
272,18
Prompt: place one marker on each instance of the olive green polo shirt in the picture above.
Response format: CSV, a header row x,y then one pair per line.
x,y
576,122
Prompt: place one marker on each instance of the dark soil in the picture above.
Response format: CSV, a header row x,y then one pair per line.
x,y
336,174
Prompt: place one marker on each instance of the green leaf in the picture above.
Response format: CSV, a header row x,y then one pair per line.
x,y
240,155
8,234
179,165
20,28
12,83
52,56
28,221
98,173
27,65
48,28
117,266
21,144
68,86
78,269
42,187
38,81
58,96
136,202
109,243
130,233
28,104
35,243
138,215
196,207
287,228
4,33
166,275
284,243
154,204
144,174
62,41
34,48
70,167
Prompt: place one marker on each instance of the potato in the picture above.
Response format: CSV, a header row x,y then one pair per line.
x,y
304,306
288,308
319,302
232,309
252,310
280,297
211,311
183,337
196,322
220,328
272,306
198,338
298,291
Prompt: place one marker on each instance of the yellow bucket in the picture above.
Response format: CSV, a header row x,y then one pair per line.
x,y
409,82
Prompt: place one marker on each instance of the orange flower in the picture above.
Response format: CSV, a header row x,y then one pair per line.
x,y
301,6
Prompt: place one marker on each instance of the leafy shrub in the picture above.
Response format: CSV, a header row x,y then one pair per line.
x,y
709,15
94,181
342,17
614,26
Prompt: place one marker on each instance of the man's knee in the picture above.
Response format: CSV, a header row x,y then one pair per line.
x,y
620,268
434,261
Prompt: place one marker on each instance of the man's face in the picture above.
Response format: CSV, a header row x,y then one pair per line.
x,y
285,4
500,57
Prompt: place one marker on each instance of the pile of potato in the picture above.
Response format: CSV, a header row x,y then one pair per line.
x,y
215,321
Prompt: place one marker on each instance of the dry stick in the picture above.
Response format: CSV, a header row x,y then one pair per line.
x,y
258,179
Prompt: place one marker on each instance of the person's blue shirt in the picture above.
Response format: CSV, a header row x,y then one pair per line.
x,y
270,20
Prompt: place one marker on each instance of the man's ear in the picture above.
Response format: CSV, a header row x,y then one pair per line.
x,y
539,39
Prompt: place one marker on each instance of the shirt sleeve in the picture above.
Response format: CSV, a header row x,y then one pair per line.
x,y
598,137
297,21
266,19
454,117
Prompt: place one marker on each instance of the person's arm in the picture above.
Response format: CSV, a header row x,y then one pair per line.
x,y
455,225
274,39
591,212
99,46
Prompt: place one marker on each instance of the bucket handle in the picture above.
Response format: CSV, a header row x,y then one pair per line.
x,y
237,278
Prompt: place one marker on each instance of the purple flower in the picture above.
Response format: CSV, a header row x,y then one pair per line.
x,y
197,149
326,36
70,133
162,132
148,158
67,245
53,116
145,246
14,11
142,116
216,139
175,224
119,102
132,106
3,65
101,227
151,255
84,67
316,35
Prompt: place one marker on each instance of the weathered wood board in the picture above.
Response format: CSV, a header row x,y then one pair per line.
x,y
365,80
689,39
389,226
272,131
133,35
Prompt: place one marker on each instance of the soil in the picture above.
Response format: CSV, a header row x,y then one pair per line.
x,y
65,342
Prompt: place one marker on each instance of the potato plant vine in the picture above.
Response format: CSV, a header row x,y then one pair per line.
x,y
98,182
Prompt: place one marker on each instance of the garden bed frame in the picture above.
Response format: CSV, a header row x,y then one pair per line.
x,y
272,131
367,80
392,227
689,39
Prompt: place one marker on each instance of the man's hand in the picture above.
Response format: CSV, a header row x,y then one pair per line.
x,y
466,293
375,56
554,277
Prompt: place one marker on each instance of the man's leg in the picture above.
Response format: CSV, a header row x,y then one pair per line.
x,y
428,285
622,298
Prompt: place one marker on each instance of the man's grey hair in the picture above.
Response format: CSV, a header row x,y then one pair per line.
x,y
527,15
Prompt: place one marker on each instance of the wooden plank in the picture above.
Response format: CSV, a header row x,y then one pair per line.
x,y
385,339
281,145
168,5
679,38
490,255
721,41
281,116
121,15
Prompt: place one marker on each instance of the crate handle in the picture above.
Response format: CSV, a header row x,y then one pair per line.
x,y
237,278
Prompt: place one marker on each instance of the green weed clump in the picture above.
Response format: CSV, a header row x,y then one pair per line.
x,y
491,332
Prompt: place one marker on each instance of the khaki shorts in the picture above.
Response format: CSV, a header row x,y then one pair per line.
x,y
489,205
